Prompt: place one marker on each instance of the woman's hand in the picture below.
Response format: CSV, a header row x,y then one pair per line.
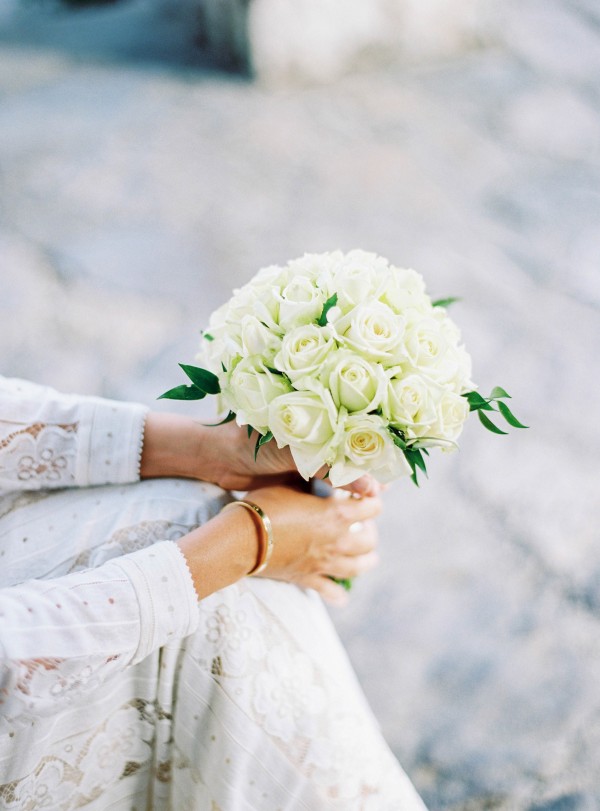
x,y
315,538
224,454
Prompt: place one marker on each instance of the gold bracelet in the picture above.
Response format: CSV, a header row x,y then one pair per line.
x,y
267,541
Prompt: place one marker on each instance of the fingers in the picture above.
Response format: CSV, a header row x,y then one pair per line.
x,y
353,566
365,486
360,542
331,592
360,509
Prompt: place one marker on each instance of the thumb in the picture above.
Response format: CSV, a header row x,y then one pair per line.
x,y
365,486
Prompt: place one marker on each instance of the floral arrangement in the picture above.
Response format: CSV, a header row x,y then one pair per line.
x,y
345,359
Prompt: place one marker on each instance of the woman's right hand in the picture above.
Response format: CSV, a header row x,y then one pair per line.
x,y
317,538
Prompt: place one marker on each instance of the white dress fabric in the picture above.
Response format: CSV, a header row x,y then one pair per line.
x,y
118,690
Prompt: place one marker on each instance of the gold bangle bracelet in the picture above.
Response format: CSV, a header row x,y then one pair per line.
x,y
267,541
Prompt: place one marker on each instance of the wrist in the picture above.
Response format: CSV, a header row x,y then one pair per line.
x,y
172,447
221,552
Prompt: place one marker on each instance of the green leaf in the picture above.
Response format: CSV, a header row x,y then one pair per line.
x,y
399,442
183,393
273,370
223,367
409,458
445,302
345,582
417,458
203,379
477,402
208,336
331,302
509,416
262,440
497,392
487,423
249,428
228,418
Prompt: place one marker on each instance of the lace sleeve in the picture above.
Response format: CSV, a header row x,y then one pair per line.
x,y
49,439
60,639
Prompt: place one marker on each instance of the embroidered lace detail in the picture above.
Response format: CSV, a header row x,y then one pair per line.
x,y
130,539
317,722
84,766
38,455
38,687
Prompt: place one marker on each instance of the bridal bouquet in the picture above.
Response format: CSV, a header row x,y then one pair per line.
x,y
345,359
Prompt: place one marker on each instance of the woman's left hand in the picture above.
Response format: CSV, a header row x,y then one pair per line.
x,y
223,454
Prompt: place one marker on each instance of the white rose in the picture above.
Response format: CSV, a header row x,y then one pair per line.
x,y
256,339
448,327
431,353
358,279
300,302
358,258
452,411
404,289
355,383
462,379
307,422
367,447
320,268
411,403
272,276
261,301
304,350
374,331
221,346
250,389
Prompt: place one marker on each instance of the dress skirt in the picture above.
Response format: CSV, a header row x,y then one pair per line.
x,y
257,710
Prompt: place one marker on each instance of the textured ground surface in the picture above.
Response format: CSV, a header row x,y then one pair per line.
x,y
137,188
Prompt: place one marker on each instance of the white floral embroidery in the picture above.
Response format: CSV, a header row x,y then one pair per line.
x,y
48,787
231,635
287,695
125,738
38,455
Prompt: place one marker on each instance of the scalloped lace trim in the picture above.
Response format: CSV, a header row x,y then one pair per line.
x,y
140,447
188,570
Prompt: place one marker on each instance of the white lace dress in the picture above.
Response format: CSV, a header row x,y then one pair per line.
x,y
118,690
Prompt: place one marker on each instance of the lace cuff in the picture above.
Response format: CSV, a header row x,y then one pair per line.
x,y
111,437
49,439
166,595
60,639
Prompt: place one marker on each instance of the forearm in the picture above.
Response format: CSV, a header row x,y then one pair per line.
x,y
182,447
176,446
221,552
95,622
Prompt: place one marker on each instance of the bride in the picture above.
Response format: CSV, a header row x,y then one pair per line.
x,y
140,668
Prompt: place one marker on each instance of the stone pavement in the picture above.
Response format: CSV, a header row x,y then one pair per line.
x,y
137,186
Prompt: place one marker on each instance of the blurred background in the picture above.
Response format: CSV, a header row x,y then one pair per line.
x,y
155,153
